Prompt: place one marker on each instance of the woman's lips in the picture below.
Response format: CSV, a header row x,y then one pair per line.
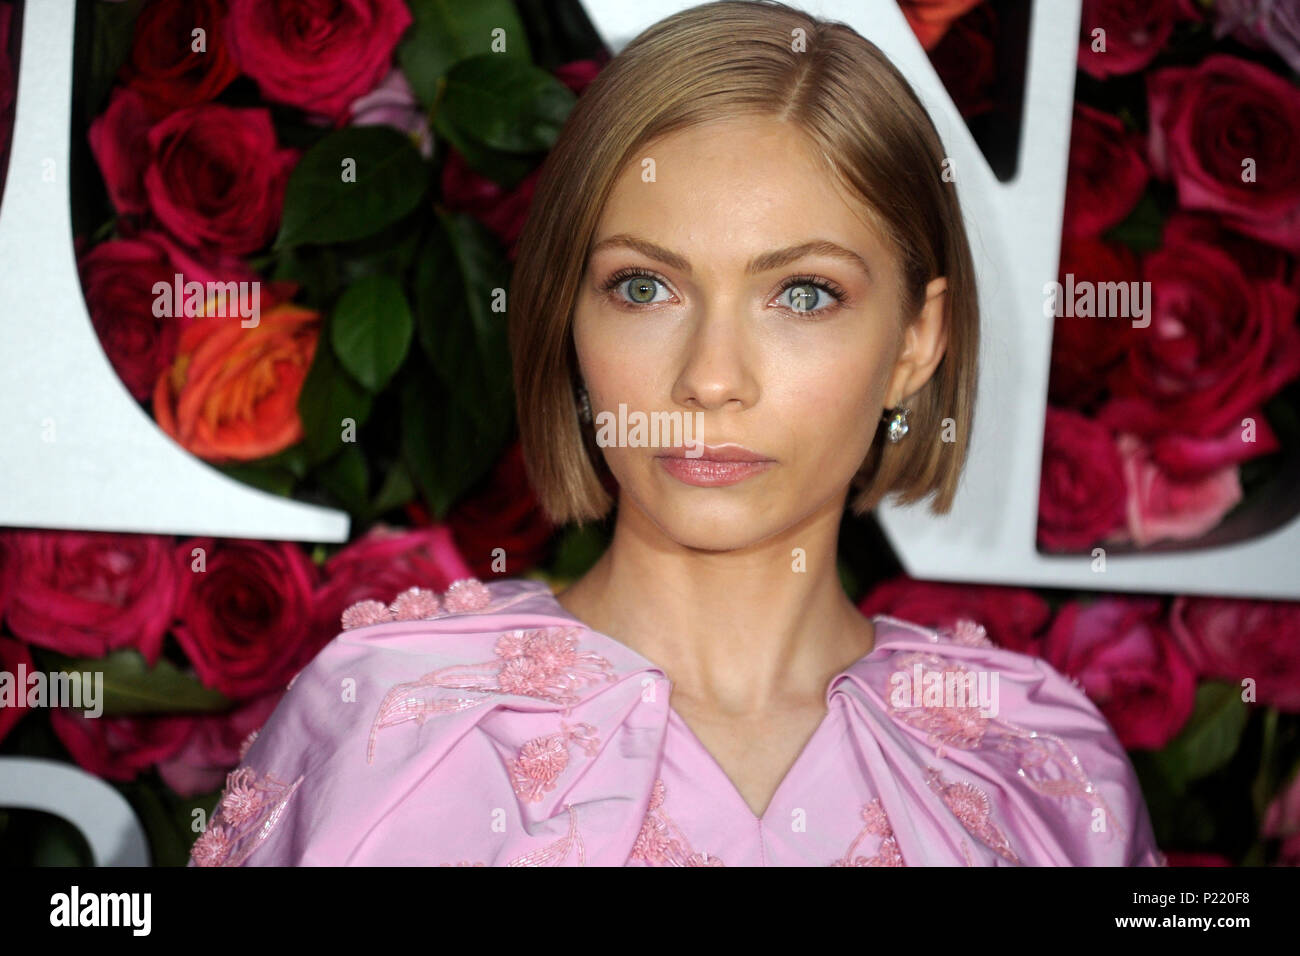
x,y
717,465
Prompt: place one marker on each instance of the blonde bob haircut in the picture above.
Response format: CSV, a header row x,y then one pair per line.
x,y
722,60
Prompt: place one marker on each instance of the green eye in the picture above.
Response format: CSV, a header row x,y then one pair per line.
x,y
641,289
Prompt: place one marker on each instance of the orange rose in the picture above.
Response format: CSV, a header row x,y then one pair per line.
x,y
232,392
930,19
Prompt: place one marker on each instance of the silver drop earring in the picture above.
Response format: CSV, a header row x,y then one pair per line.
x,y
897,419
584,405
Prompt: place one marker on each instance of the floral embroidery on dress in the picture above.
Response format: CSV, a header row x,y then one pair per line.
x,y
542,760
249,808
543,662
555,853
877,822
1046,762
661,842
971,806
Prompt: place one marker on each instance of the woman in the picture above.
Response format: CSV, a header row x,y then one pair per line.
x,y
743,230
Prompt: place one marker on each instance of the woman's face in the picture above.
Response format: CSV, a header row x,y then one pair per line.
x,y
792,357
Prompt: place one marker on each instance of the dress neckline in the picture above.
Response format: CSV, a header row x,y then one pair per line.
x,y
892,631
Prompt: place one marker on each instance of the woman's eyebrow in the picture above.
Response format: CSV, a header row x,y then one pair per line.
x,y
762,262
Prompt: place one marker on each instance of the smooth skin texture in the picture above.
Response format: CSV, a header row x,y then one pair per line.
x,y
701,580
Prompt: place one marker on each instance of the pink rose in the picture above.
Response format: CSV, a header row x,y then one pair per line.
x,y
1124,658
13,655
318,55
244,618
211,750
1227,131
85,594
1282,818
381,565
1271,24
119,748
1081,493
1231,639
1134,32
392,103
1217,346
1163,508
1011,617
217,178
1107,173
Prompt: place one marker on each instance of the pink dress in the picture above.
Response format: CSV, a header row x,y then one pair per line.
x,y
489,727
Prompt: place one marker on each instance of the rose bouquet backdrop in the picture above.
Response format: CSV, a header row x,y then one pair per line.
x,y
368,172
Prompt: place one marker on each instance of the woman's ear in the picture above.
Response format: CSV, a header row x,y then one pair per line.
x,y
924,341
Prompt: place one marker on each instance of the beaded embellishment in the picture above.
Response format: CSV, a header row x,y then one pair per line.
x,y
420,604
876,821
555,853
971,806
248,811
661,842
541,761
544,663
1045,761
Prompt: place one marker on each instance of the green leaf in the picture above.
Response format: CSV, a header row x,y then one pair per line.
x,y
346,478
444,449
371,330
132,687
456,282
1144,227
320,207
503,103
1209,739
396,491
580,547
505,169
112,36
329,397
446,31
278,481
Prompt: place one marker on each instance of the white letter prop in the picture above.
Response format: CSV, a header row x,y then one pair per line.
x,y
1015,233
76,451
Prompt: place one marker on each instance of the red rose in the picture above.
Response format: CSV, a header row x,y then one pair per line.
x,y
14,655
1134,32
244,613
119,748
119,140
381,565
502,211
318,55
85,594
216,176
1124,658
211,750
165,67
1217,346
930,19
966,60
1229,639
1081,493
502,513
1107,174
1011,617
578,74
1228,133
1256,259
1085,348
118,279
